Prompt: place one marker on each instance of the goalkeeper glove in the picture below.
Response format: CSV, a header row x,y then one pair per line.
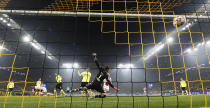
x,y
94,56
107,84
116,89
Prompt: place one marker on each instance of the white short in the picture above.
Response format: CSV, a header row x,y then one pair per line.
x,y
41,88
106,88
37,88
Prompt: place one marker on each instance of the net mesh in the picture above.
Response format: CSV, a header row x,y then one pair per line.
x,y
148,53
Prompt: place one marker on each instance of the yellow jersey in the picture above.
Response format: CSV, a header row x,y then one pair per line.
x,y
86,76
38,83
11,85
183,84
58,79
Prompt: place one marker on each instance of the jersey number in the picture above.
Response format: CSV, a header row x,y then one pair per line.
x,y
99,78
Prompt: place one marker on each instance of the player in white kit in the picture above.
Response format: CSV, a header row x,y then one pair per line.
x,y
106,84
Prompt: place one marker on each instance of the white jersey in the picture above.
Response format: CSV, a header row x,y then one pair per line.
x,y
44,89
106,85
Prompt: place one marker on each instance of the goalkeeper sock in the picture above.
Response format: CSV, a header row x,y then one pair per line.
x,y
182,92
100,96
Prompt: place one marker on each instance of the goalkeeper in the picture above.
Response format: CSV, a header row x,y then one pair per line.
x,y
97,83
85,80
183,86
10,87
59,85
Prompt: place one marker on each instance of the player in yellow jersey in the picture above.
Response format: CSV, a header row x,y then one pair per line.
x,y
38,86
85,80
59,85
10,87
183,86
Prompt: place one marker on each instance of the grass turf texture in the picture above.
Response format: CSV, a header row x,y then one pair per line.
x,y
198,101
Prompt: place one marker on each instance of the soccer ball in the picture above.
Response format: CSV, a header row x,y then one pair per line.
x,y
179,21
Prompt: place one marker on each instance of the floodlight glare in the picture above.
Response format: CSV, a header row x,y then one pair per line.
x,y
42,52
1,47
159,47
4,21
120,65
49,57
195,49
129,66
199,44
184,28
35,46
26,39
67,65
170,40
8,24
75,65
189,50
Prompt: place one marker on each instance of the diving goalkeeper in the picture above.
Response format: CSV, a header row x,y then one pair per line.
x,y
97,83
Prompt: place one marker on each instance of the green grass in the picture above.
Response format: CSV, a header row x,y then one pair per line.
x,y
108,102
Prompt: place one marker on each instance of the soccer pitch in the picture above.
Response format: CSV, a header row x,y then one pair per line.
x,y
198,101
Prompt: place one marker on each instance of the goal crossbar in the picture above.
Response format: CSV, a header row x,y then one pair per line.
x,y
95,14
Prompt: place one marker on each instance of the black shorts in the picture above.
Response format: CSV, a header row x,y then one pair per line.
x,y
84,84
96,86
59,86
183,88
11,89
